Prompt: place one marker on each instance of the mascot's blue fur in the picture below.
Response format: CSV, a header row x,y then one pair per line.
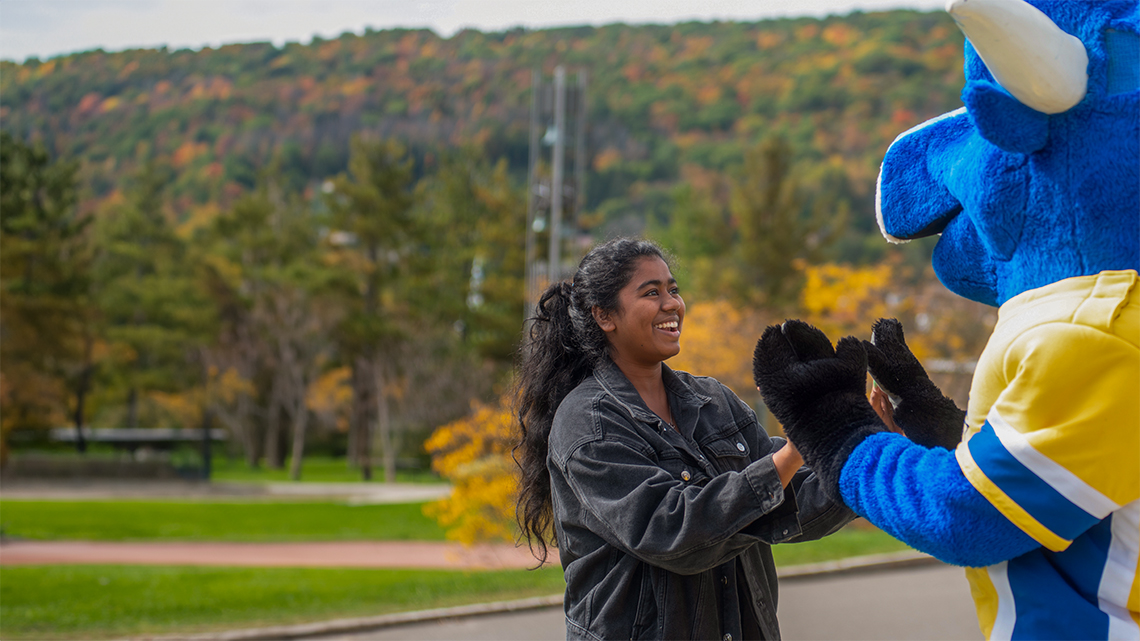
x,y
1022,200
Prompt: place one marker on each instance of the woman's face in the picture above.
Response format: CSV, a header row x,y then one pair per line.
x,y
646,328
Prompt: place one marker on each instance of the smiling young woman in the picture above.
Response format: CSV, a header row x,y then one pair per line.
x,y
645,330
659,488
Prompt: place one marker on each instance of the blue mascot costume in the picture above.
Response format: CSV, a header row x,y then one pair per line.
x,y
1034,187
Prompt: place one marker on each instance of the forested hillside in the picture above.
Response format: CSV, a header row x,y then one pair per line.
x,y
666,103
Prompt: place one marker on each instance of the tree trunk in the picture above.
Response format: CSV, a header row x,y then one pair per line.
x,y
296,387
133,408
384,424
248,432
207,445
360,443
364,447
274,452
356,412
81,387
80,396
299,425
245,353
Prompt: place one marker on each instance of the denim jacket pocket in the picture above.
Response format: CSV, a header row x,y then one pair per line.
x,y
730,449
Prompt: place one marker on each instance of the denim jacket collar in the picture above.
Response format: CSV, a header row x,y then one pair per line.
x,y
614,381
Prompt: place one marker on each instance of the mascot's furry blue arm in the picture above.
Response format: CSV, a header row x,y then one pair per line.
x,y
1034,187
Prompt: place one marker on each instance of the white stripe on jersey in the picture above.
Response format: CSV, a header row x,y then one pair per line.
x,y
1120,572
1006,613
1069,485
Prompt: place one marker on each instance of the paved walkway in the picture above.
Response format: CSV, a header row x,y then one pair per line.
x,y
355,554
930,602
353,493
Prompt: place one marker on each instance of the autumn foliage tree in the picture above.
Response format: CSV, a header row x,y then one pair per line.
x,y
740,145
728,139
474,454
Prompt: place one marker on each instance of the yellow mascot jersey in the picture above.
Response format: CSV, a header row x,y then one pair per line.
x,y
1053,442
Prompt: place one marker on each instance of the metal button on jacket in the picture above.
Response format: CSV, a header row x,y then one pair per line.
x,y
685,475
740,446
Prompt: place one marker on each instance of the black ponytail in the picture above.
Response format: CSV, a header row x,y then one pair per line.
x,y
562,347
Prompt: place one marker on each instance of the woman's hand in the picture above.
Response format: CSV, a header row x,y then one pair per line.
x,y
881,403
787,460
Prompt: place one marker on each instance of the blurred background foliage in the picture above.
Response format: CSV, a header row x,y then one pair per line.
x,y
319,247
667,105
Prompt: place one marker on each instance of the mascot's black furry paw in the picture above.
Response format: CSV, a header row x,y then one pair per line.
x,y
921,410
817,393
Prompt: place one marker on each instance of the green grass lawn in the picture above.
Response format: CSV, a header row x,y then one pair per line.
x,y
70,601
318,469
857,539
202,521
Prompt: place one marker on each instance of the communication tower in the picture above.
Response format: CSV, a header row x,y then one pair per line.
x,y
554,196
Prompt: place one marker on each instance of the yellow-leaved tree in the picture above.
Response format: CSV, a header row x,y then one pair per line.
x,y
330,397
474,454
945,331
844,300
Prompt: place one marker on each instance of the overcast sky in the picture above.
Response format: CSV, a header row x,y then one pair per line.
x,y
46,28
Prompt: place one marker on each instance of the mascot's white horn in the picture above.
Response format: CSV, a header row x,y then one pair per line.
x,y
1027,53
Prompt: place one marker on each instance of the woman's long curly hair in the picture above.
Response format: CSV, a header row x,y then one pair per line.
x,y
562,348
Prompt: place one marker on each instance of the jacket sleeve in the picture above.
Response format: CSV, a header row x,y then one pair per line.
x,y
640,508
816,514
807,513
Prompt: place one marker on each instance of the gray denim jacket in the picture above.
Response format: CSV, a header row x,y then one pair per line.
x,y
665,535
